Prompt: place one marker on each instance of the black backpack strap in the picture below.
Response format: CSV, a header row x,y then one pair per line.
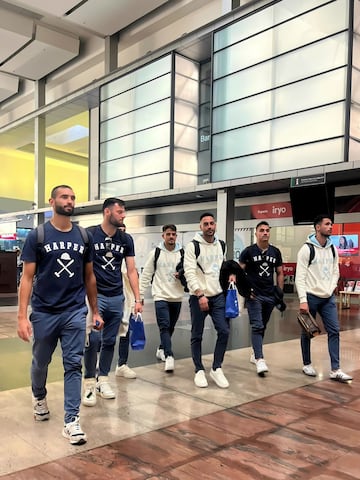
x,y
156,257
311,254
223,246
196,248
84,235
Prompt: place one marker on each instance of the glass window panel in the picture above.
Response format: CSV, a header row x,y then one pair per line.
x,y
309,93
321,153
355,86
261,20
186,113
205,92
300,128
150,139
182,180
130,186
355,121
136,165
354,150
134,121
138,77
187,67
356,51
185,137
204,115
151,92
302,63
186,89
299,31
185,161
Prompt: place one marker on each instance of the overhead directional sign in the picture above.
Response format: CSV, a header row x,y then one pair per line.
x,y
308,180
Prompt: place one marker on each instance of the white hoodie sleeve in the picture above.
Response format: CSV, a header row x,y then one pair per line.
x,y
147,273
301,272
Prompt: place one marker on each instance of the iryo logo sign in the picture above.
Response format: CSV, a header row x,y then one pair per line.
x,y
271,210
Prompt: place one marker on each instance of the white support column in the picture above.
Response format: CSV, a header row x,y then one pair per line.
x,y
94,158
226,218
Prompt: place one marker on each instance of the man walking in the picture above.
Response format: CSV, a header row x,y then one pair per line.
x,y
111,247
260,262
160,270
62,262
204,256
317,275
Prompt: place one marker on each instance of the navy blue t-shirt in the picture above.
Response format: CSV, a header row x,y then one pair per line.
x,y
260,267
59,283
108,257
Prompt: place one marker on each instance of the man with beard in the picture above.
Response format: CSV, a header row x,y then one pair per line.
x,y
316,278
202,272
167,291
111,247
62,262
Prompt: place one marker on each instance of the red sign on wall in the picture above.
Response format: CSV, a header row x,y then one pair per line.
x,y
271,210
289,269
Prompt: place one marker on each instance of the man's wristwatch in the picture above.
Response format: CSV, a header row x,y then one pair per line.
x,y
201,295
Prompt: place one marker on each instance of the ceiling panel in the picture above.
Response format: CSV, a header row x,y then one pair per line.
x,y
57,8
9,85
109,16
47,52
15,32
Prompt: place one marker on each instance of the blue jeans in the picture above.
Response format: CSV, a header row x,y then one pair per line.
x,y
221,324
259,311
326,307
69,328
111,310
167,314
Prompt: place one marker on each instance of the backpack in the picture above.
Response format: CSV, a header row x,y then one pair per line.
x,y
312,252
40,236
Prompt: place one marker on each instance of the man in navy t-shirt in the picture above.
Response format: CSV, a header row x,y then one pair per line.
x,y
111,247
62,262
261,261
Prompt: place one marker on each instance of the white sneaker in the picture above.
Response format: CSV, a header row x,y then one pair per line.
x,y
340,376
103,388
74,433
200,379
124,371
89,396
261,367
160,355
169,364
309,370
219,378
41,411
252,359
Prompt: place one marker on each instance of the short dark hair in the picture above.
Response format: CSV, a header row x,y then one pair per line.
x,y
170,226
109,202
263,222
55,189
206,214
319,218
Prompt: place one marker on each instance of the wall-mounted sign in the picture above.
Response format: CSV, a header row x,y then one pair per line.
x,y
308,180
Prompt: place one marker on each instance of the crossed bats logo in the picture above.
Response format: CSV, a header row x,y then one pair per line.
x,y
65,261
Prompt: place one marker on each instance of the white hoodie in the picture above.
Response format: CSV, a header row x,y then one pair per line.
x,y
321,277
210,259
164,284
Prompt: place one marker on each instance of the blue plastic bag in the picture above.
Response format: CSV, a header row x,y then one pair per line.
x,y
137,332
231,303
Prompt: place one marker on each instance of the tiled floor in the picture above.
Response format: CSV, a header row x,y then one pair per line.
x,y
160,426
